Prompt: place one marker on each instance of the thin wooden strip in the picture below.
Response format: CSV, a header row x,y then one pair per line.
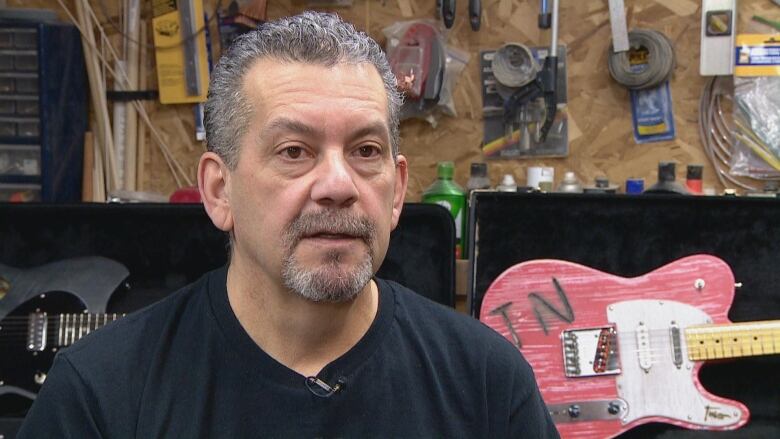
x,y
87,190
142,84
97,86
131,125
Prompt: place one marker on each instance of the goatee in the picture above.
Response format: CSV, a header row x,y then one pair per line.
x,y
331,281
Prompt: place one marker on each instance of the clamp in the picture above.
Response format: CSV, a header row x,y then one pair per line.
x,y
544,85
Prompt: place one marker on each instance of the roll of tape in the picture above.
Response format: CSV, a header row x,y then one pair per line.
x,y
540,175
657,68
514,65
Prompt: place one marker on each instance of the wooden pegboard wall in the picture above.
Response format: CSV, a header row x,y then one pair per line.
x,y
601,141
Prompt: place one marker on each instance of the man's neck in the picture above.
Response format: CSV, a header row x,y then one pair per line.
x,y
303,335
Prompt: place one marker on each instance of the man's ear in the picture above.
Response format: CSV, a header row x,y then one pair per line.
x,y
214,186
401,181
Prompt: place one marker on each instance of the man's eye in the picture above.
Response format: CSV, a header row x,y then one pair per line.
x,y
368,151
293,152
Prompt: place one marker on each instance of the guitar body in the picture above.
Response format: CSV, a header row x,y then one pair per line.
x,y
23,371
43,309
609,353
90,278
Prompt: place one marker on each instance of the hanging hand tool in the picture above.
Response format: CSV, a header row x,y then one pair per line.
x,y
191,71
544,15
619,26
446,9
543,86
448,13
475,14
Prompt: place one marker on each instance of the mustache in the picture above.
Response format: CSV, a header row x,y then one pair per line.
x,y
334,222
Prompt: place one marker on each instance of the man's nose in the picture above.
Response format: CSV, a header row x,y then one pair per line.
x,y
335,184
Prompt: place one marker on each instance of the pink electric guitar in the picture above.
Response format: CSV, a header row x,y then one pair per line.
x,y
612,353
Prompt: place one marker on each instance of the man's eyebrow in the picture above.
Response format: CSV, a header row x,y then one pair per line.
x,y
285,124
376,128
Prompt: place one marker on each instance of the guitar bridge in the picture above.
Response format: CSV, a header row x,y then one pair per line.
x,y
590,352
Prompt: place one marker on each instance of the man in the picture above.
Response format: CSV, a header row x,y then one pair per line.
x,y
295,338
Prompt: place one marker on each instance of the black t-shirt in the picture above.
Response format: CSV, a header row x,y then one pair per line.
x,y
185,368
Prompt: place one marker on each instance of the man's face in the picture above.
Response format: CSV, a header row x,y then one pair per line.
x,y
316,191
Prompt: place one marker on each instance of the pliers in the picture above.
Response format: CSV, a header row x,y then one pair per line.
x,y
448,12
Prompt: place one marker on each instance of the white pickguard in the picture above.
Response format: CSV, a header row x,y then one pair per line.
x,y
660,388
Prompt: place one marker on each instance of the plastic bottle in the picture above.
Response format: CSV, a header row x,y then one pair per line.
x,y
601,186
666,181
570,183
693,179
478,178
508,184
635,186
445,192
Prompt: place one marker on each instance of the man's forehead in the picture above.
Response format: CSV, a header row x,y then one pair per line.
x,y
268,77
270,68
283,84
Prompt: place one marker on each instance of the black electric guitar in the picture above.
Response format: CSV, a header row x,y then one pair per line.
x,y
43,310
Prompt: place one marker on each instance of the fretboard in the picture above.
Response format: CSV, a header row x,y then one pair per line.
x,y
71,327
746,339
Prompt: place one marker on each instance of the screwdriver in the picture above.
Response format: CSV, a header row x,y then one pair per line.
x,y
545,18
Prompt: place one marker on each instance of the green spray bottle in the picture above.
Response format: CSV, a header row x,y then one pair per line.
x,y
445,192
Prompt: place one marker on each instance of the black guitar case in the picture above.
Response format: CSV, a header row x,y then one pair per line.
x,y
117,258
632,235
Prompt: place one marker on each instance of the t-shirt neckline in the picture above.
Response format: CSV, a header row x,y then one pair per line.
x,y
259,362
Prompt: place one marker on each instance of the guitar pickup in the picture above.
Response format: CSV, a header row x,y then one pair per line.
x,y
36,332
674,335
590,352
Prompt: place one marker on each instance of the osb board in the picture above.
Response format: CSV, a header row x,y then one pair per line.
x,y
601,136
601,143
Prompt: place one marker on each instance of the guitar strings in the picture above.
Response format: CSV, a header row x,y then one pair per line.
x,y
50,317
73,329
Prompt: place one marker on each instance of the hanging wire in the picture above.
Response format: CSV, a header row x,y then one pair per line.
x,y
716,131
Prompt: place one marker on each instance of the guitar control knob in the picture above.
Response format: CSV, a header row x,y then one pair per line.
x,y
613,408
574,411
5,286
40,377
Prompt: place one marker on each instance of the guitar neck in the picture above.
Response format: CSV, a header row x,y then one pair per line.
x,y
72,327
44,331
709,342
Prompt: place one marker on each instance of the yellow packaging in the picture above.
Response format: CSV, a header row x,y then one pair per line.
x,y
757,55
169,35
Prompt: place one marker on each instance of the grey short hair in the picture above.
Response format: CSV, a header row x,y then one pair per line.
x,y
311,37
